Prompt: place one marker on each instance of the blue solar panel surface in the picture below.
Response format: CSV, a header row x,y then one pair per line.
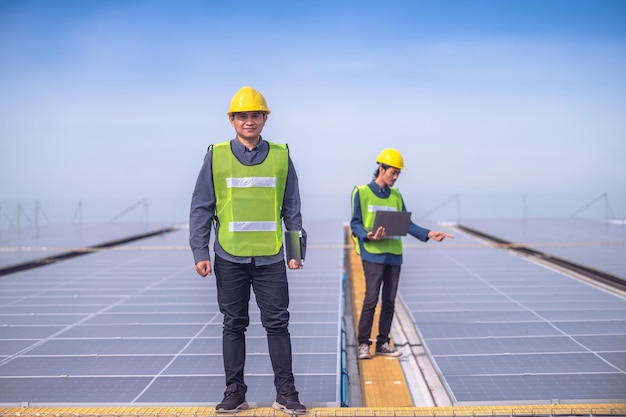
x,y
597,244
501,328
136,324
24,244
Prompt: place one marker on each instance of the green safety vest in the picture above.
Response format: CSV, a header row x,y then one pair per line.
x,y
370,204
249,200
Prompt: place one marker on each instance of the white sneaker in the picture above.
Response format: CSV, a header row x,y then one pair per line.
x,y
364,351
387,350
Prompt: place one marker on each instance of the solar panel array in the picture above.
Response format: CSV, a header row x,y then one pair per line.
x,y
502,329
25,244
137,325
599,245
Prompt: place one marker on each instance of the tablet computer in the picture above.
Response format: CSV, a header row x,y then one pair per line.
x,y
396,223
293,246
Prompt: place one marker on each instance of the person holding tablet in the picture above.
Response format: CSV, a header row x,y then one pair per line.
x,y
246,190
380,253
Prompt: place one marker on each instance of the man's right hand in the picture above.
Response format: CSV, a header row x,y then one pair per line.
x,y
379,234
203,268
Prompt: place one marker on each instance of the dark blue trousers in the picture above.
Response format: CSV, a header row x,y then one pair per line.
x,y
271,291
377,276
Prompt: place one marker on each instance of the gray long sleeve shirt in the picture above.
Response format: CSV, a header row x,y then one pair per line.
x,y
203,204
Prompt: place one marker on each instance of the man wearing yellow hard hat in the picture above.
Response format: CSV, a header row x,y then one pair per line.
x,y
246,189
381,255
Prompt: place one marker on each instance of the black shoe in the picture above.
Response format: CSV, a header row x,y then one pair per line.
x,y
388,350
364,351
289,403
233,401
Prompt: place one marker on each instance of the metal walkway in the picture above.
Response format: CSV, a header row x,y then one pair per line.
x,y
589,410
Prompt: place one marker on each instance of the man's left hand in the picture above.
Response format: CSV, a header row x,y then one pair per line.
x,y
293,264
438,235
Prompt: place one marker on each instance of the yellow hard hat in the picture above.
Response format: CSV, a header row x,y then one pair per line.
x,y
248,99
391,157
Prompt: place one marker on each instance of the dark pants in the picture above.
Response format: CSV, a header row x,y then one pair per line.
x,y
271,291
377,275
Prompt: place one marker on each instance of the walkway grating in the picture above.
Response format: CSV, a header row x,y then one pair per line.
x,y
382,380
555,410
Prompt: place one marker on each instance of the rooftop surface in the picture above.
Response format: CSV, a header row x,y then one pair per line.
x,y
133,325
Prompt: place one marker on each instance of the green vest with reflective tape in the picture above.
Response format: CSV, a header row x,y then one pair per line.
x,y
249,200
370,204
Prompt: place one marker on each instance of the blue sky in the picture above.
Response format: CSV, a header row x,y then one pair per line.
x,y
108,102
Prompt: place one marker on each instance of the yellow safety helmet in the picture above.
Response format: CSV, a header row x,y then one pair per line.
x,y
248,99
391,157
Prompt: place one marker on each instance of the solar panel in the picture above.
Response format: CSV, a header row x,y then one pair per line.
x,y
136,324
25,244
502,329
597,244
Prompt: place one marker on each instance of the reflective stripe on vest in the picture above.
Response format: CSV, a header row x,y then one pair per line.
x,y
374,209
370,204
251,182
249,201
251,226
